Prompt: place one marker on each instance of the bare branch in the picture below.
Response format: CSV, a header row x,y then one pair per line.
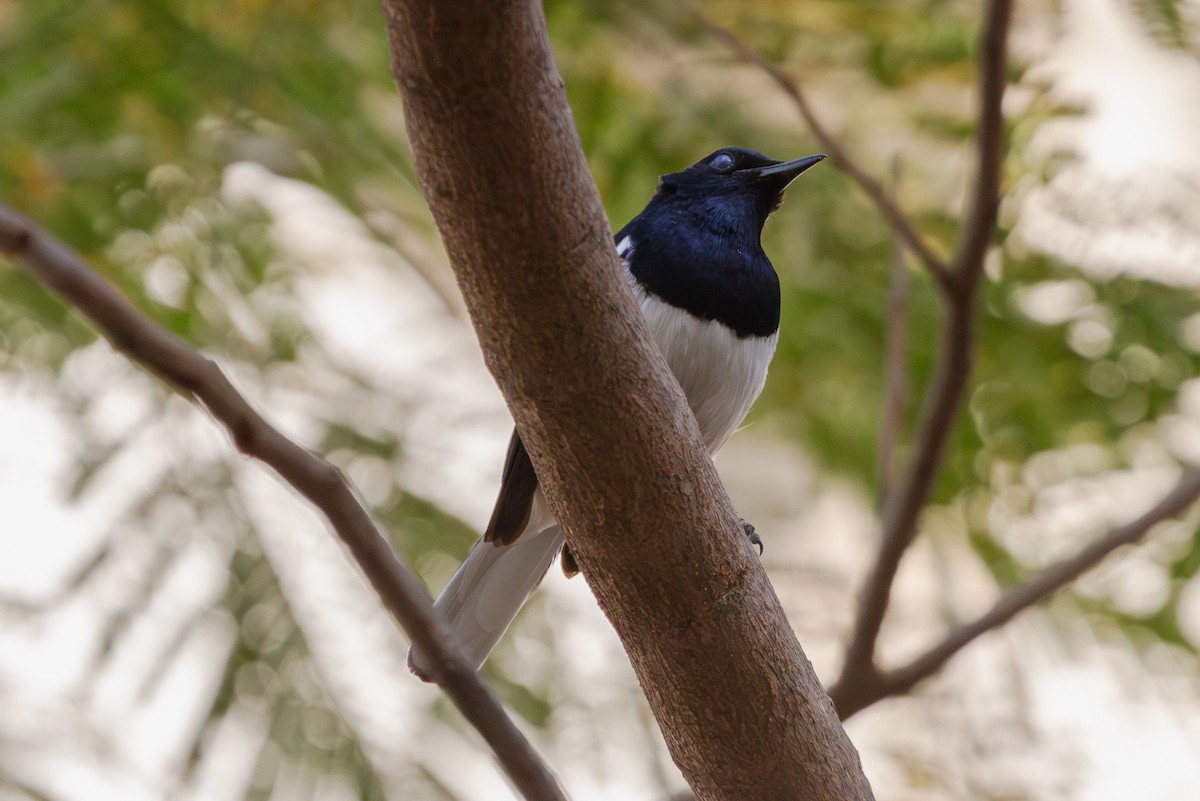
x,y
955,355
60,269
901,512
833,147
980,228
850,699
895,373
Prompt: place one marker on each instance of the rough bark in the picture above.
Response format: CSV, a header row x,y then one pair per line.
x,y
615,447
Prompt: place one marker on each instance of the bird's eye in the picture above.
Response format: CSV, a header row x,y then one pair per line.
x,y
722,162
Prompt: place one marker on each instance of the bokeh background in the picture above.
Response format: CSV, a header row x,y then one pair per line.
x,y
175,624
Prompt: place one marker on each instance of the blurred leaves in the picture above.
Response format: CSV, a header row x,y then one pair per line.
x,y
1174,23
269,670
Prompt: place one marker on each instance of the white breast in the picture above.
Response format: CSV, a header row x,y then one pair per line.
x,y
720,373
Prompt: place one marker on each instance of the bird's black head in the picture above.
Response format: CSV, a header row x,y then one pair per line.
x,y
697,245
738,178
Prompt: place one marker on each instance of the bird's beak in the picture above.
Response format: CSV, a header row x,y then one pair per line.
x,y
786,172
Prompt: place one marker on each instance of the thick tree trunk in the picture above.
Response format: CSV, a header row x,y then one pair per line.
x,y
608,429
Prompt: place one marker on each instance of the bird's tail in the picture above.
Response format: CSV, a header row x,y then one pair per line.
x,y
486,593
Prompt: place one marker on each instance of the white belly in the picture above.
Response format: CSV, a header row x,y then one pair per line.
x,y
720,373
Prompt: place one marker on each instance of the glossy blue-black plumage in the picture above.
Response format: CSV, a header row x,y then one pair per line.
x,y
696,245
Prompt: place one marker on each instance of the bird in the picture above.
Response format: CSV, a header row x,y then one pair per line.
x,y
711,299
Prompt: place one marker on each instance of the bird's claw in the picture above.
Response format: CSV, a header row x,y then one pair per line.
x,y
752,535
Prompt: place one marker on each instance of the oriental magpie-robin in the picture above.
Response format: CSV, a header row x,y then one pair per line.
x,y
711,298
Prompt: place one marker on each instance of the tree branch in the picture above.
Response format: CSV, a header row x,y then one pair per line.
x,y
979,230
905,502
183,368
615,447
850,699
895,392
837,153
955,355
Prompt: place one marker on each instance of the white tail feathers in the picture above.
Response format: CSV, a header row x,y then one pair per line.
x,y
488,590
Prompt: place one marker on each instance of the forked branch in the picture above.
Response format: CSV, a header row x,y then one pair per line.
x,y
958,280
851,698
956,350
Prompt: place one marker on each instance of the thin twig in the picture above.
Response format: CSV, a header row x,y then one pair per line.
x,y
850,699
67,275
955,355
833,147
979,231
895,392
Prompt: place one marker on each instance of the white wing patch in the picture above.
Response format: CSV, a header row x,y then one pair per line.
x,y
625,247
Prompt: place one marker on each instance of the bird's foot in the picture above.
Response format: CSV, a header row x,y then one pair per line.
x,y
752,535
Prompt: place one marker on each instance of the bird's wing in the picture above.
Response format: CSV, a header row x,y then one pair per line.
x,y
515,502
518,482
